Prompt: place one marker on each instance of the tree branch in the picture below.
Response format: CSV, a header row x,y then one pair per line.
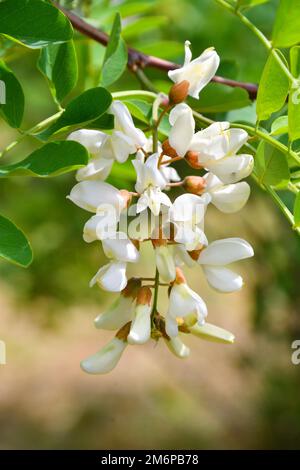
x,y
137,59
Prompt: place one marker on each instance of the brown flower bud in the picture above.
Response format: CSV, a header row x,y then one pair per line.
x,y
156,242
144,296
123,332
131,290
179,92
127,196
194,184
136,243
168,150
192,159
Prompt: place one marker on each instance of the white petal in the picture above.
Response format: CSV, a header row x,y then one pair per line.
x,y
165,263
125,124
98,168
184,301
170,174
177,347
189,207
140,330
225,251
117,315
182,257
92,140
111,277
120,248
171,326
90,195
223,279
122,146
231,198
213,333
106,359
183,129
232,169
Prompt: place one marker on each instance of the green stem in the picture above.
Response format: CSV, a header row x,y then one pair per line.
x,y
130,93
30,132
155,295
287,213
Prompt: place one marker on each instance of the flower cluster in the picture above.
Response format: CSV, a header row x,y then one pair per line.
x,y
176,228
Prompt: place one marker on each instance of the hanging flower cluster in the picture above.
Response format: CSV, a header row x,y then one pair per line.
x,y
176,230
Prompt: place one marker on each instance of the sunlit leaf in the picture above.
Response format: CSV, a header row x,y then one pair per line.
x,y
271,166
280,126
297,211
273,89
286,31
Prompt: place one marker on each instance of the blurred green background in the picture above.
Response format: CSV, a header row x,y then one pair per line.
x,y
240,396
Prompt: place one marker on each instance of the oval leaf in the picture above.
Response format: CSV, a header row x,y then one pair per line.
x,y
272,91
14,246
271,166
85,108
11,97
115,59
34,23
58,62
50,160
286,31
297,211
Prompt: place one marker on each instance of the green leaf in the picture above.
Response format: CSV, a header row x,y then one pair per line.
x,y
286,31
50,160
58,62
271,166
115,59
272,91
85,108
14,246
297,211
280,126
294,97
11,97
143,111
34,23
216,98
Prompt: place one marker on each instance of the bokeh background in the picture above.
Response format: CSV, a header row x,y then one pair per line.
x,y
244,395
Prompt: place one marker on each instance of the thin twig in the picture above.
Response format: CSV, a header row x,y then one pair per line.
x,y
139,59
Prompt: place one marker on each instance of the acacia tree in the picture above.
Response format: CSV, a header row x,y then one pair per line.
x,y
137,135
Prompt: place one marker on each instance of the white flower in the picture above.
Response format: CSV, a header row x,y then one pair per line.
x,y
121,311
197,72
111,277
120,248
97,144
217,255
177,347
149,184
117,315
106,359
101,226
217,146
183,128
165,262
227,198
213,333
140,330
93,195
185,305
187,214
125,138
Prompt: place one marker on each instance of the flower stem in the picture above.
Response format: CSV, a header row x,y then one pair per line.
x,y
156,287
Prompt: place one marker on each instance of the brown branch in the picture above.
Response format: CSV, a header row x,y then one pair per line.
x,y
137,59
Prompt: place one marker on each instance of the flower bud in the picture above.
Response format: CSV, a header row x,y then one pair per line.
x,y
192,159
179,92
140,330
164,260
194,184
168,150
